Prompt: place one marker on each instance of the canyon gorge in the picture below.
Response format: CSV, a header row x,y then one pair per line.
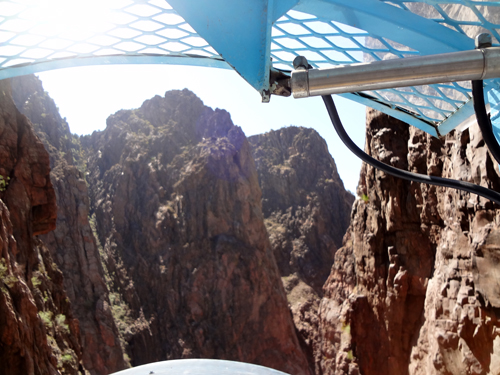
x,y
170,234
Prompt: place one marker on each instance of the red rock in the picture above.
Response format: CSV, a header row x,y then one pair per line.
x,y
38,334
306,212
72,243
175,193
408,290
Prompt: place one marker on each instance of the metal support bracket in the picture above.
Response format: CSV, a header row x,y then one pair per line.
x,y
240,31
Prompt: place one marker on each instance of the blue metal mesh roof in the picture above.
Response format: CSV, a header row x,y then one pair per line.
x,y
37,35
43,31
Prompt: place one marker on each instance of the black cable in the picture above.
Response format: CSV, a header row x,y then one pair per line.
x,y
483,120
410,176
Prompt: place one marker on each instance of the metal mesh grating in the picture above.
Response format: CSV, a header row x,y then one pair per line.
x,y
468,17
31,32
328,43
37,32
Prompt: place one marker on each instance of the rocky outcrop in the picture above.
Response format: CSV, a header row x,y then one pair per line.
x,y
306,207
306,211
176,198
461,329
412,291
72,243
38,333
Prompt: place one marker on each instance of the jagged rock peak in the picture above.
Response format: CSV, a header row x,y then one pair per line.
x,y
179,119
175,194
306,207
307,212
301,156
36,104
180,112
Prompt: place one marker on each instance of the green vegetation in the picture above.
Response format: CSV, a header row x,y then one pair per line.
x,y
102,255
36,281
67,358
61,323
120,310
4,182
3,269
346,328
365,198
5,277
46,317
126,358
274,227
350,356
51,341
121,314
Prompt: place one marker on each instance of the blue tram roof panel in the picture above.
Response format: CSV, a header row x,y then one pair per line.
x,y
255,36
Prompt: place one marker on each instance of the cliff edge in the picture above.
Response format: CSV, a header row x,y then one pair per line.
x,y
414,288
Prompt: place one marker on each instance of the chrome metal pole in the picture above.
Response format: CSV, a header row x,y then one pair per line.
x,y
476,64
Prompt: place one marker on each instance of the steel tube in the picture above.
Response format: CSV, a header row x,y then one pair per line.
x,y
476,64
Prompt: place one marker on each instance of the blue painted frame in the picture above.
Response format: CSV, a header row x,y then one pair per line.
x,y
241,35
240,31
70,62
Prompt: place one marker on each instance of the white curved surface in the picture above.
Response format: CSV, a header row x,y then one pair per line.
x,y
199,367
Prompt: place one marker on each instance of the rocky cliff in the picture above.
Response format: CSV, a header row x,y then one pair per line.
x,y
72,243
175,194
39,334
192,271
414,289
176,207
306,207
306,211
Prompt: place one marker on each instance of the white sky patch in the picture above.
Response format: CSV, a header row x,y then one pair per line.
x,y
86,96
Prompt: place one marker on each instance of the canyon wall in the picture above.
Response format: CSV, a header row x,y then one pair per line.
x,y
306,211
414,288
175,195
72,243
39,334
162,241
306,208
190,253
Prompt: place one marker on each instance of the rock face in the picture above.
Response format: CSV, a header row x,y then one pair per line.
x,y
38,332
414,290
306,207
72,243
175,194
306,211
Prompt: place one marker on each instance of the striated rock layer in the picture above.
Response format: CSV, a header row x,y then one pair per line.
x,y
306,211
414,290
72,243
38,333
175,194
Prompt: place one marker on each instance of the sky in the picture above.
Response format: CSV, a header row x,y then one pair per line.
x,y
86,96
